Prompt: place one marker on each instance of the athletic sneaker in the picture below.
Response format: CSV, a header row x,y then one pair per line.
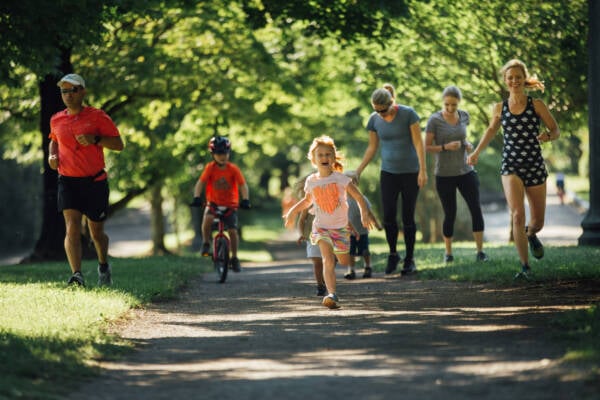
x,y
331,301
104,277
205,249
235,264
448,258
525,270
481,256
392,263
368,272
76,279
350,275
409,267
321,290
536,247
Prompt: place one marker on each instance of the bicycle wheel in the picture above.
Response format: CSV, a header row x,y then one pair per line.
x,y
221,259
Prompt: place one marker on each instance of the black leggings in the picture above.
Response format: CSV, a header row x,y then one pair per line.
x,y
392,186
468,186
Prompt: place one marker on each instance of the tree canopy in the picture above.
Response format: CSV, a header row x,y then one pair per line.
x,y
272,74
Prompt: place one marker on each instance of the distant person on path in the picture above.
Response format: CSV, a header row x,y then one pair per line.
x,y
78,136
359,242
403,170
446,137
523,169
326,190
305,221
223,183
560,187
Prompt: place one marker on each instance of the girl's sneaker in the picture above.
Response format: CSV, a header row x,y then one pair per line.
x,y
331,301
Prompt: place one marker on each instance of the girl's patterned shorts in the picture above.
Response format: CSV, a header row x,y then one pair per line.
x,y
339,239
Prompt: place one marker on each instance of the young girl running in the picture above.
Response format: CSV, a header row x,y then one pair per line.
x,y
326,190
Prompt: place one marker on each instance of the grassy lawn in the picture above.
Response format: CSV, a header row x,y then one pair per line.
x,y
50,334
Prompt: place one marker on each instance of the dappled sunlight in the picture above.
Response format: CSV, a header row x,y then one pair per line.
x,y
484,328
342,363
499,369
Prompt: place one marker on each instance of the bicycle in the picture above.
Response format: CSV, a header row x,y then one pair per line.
x,y
221,243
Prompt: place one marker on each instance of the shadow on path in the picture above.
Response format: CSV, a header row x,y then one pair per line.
x,y
264,335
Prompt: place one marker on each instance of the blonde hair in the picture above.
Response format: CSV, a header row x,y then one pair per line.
x,y
325,141
390,88
531,81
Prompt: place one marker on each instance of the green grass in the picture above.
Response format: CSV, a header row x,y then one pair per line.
x,y
560,264
51,334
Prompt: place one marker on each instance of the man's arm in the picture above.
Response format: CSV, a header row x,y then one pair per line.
x,y
53,154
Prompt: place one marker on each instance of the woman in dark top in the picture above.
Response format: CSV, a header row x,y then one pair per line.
x,y
523,169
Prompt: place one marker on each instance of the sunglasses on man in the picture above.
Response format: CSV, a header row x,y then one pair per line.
x,y
74,89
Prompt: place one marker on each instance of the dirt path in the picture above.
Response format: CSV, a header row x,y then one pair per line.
x,y
263,335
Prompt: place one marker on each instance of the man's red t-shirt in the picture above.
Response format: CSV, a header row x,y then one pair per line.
x,y
75,160
222,184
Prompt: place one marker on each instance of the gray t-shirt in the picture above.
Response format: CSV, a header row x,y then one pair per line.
x,y
450,163
354,215
398,154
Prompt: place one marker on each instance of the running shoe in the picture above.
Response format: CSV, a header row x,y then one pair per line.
x,y
104,277
331,301
76,279
321,290
392,263
409,267
235,264
448,258
205,249
368,272
536,247
525,271
481,256
350,275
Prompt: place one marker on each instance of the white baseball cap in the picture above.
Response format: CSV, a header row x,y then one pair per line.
x,y
73,79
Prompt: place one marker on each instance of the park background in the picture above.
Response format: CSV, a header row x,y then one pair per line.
x,y
270,76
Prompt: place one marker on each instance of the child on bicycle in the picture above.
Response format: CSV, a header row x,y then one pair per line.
x,y
359,242
326,190
224,183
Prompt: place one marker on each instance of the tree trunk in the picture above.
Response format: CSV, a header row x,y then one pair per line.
x,y
157,221
49,245
591,222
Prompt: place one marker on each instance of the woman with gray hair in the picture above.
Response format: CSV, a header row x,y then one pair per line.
x,y
446,137
403,170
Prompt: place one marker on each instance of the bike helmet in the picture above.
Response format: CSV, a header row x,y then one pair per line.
x,y
219,145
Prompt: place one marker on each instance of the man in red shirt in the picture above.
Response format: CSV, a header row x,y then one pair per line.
x,y
78,136
223,182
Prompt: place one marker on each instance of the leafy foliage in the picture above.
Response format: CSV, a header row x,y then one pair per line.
x,y
271,75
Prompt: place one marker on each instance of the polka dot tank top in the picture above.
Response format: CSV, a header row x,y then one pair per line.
x,y
521,146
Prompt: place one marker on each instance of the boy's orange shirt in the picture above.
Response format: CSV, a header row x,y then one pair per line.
x,y
222,184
